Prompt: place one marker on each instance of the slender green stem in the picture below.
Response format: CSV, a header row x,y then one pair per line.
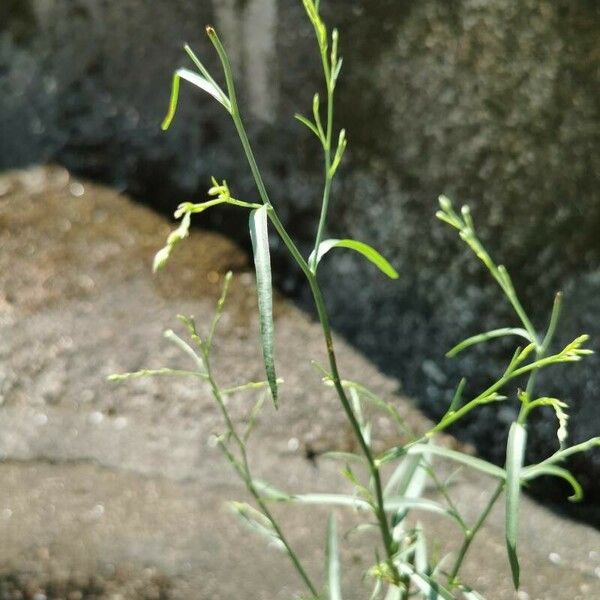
x,y
314,286
328,177
246,476
481,399
337,382
471,533
540,353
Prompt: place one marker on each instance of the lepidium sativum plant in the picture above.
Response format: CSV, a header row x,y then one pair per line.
x,y
388,486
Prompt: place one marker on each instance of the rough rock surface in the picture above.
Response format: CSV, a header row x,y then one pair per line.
x,y
115,491
494,103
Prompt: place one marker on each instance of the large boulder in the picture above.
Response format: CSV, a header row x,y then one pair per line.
x,y
115,491
493,103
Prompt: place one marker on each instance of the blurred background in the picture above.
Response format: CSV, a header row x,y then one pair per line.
x,y
494,103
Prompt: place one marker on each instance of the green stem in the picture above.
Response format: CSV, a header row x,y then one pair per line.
x,y
337,382
246,476
328,178
314,286
481,399
471,533
540,353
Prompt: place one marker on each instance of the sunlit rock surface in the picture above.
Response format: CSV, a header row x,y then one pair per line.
x,y
493,103
116,491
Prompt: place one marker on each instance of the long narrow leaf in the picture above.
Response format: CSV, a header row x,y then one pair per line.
x,y
483,337
554,471
262,262
302,119
332,559
470,594
198,81
429,588
424,504
257,522
515,453
367,251
564,454
400,479
156,373
421,560
470,461
331,499
393,593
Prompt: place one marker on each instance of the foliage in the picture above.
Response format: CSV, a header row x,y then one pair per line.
x,y
405,566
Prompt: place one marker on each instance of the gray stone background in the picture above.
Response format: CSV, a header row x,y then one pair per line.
x,y
493,102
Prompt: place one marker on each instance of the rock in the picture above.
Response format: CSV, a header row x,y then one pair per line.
x,y
118,491
493,103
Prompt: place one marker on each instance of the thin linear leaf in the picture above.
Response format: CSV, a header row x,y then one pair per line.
x,y
156,373
346,457
331,499
256,521
554,471
563,454
470,461
400,503
402,476
429,588
484,337
198,81
270,492
470,594
393,593
185,347
457,397
262,262
421,560
302,119
515,453
332,559
367,251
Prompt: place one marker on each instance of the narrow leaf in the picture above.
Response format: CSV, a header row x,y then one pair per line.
x,y
185,347
256,521
401,478
367,251
484,337
400,503
393,593
270,492
564,454
308,124
470,594
538,471
198,81
470,461
457,398
332,558
262,261
429,588
331,499
421,561
515,453
156,373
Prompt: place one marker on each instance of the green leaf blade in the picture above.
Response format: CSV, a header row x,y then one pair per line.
x,y
554,471
332,559
199,81
367,251
483,337
515,454
262,262
461,458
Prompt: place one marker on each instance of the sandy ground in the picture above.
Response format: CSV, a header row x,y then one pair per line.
x,y
114,491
